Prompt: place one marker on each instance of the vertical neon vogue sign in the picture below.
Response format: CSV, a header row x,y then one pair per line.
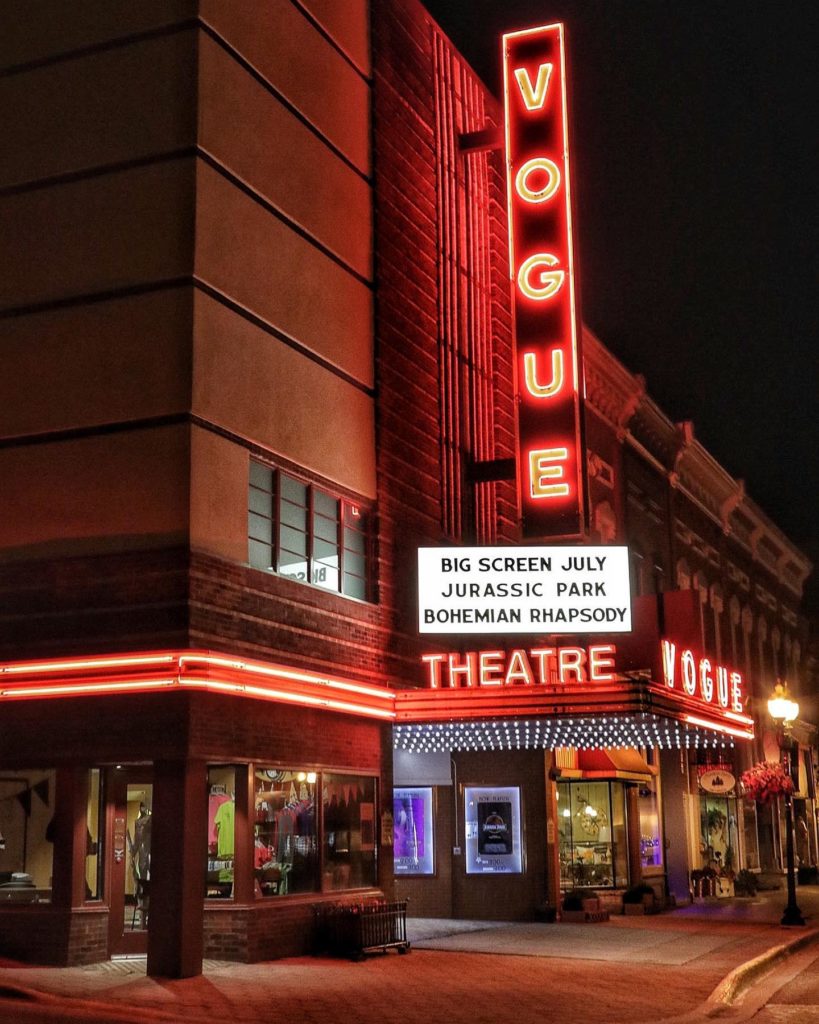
x,y
551,464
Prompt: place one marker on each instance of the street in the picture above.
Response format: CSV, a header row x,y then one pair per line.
x,y
662,967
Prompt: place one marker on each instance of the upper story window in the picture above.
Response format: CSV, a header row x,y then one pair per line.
x,y
299,530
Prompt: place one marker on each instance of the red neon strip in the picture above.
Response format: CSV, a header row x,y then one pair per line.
x,y
76,665
33,680
719,728
66,689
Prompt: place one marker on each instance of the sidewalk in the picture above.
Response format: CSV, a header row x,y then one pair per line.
x,y
629,969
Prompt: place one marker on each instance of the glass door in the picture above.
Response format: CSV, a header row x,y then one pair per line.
x,y
130,813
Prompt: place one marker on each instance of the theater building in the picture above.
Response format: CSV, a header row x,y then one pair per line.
x,y
260,348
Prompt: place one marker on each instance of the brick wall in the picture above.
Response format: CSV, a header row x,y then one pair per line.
x,y
121,601
49,935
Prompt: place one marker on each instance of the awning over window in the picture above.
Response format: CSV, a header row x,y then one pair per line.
x,y
609,763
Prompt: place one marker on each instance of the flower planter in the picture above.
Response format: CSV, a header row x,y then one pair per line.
x,y
632,909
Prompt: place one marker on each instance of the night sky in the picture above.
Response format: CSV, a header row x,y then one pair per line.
x,y
695,162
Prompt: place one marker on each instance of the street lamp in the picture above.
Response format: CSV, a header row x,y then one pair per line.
x,y
784,712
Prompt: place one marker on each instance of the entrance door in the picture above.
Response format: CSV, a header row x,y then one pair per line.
x,y
130,805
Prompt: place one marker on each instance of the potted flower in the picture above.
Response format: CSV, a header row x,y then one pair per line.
x,y
578,904
766,781
639,899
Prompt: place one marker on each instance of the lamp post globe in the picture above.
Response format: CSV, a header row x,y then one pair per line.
x,y
784,711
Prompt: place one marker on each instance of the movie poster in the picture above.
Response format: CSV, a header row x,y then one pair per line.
x,y
492,830
412,831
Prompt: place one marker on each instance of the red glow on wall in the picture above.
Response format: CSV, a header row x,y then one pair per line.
x,y
551,465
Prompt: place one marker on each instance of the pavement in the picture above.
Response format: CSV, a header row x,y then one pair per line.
x,y
694,963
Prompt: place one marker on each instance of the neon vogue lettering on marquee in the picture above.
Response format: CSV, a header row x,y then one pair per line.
x,y
715,683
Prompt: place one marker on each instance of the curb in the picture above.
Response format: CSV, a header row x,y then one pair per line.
x,y
734,984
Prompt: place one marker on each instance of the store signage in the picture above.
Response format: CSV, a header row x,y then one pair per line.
x,y
717,780
551,463
524,590
539,666
701,678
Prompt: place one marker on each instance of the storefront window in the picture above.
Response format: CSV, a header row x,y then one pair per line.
x,y
592,834
221,834
651,846
285,845
93,850
349,832
26,836
719,834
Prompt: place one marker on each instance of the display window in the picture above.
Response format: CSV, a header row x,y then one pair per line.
x,y
285,841
94,863
221,831
413,840
349,847
26,836
651,840
492,830
593,846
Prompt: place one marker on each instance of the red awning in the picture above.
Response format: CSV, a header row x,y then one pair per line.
x,y
610,763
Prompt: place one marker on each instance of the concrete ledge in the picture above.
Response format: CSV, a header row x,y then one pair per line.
x,y
735,983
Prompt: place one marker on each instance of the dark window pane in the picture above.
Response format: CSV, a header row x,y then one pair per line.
x,y
293,515
260,555
327,529
325,574
259,528
355,564
325,551
293,565
354,586
325,504
261,476
260,501
293,540
292,490
353,540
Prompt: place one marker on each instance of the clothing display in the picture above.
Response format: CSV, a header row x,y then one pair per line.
x,y
223,826
215,801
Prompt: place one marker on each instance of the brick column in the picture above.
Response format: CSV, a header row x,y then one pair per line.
x,y
635,860
178,864
70,835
